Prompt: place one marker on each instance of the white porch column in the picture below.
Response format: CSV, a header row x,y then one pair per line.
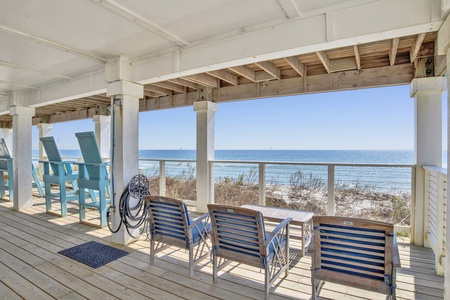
x,y
205,151
103,134
427,93
7,134
22,123
45,129
125,133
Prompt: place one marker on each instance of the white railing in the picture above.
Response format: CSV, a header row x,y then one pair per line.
x,y
331,172
436,213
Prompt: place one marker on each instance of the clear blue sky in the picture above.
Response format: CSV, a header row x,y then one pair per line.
x,y
367,119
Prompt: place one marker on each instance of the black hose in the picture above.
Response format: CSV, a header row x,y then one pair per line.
x,y
129,219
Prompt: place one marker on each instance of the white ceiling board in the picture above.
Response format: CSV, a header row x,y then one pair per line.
x,y
80,24
196,20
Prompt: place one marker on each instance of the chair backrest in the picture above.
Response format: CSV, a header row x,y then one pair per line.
x,y
237,232
354,252
52,152
168,217
90,152
4,153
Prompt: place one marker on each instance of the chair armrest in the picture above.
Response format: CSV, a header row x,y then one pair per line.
x,y
395,254
56,162
199,220
105,164
277,230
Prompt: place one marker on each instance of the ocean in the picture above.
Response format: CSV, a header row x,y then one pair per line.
x,y
390,179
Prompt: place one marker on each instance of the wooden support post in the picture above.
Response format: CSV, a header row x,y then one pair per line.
x,y
331,208
162,178
262,183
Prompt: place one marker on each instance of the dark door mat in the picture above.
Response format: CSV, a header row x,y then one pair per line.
x,y
94,254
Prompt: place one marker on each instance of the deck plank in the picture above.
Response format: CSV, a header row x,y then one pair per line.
x,y
30,266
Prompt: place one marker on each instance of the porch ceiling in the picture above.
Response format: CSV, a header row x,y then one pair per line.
x,y
51,48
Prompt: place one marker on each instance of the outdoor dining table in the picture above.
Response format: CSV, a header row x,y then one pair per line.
x,y
299,218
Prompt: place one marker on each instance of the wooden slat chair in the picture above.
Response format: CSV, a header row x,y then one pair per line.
x,y
354,252
36,182
93,176
57,172
238,234
6,166
170,225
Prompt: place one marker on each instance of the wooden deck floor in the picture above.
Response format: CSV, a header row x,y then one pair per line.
x,y
31,268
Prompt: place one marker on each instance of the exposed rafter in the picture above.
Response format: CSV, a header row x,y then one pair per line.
x,y
245,71
157,89
170,86
324,59
51,44
296,65
184,82
225,76
393,51
416,46
270,68
204,79
357,56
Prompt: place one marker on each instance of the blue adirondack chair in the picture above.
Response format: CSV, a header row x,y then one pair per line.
x,y
57,172
93,176
36,182
6,166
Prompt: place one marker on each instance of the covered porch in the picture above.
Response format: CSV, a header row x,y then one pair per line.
x,y
143,58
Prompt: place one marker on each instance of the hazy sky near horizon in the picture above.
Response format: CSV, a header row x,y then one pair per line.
x,y
366,119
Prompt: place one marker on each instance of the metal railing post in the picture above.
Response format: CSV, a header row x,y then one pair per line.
x,y
162,178
331,208
262,183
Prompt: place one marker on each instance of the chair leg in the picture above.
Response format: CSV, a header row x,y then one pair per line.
x,y
152,251
191,260
266,282
102,198
48,199
214,268
81,198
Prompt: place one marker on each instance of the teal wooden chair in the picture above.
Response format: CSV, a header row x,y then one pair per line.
x,y
6,166
238,234
57,172
93,176
36,182
170,225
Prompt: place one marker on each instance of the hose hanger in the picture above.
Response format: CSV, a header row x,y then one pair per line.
x,y
132,217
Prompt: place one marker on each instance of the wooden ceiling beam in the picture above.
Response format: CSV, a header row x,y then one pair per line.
x,y
204,79
325,60
245,71
393,51
225,76
157,89
418,40
184,82
270,68
170,86
357,56
343,64
295,64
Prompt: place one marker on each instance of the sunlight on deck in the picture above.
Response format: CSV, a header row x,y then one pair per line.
x,y
31,268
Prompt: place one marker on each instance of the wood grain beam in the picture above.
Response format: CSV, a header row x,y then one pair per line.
x,y
204,79
295,64
418,40
225,76
244,71
270,68
324,59
357,56
184,82
342,64
393,51
170,86
157,89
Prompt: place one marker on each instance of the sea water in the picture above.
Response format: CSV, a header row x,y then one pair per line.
x,y
377,178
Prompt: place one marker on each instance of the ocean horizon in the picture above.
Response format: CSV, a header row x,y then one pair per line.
x,y
385,179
